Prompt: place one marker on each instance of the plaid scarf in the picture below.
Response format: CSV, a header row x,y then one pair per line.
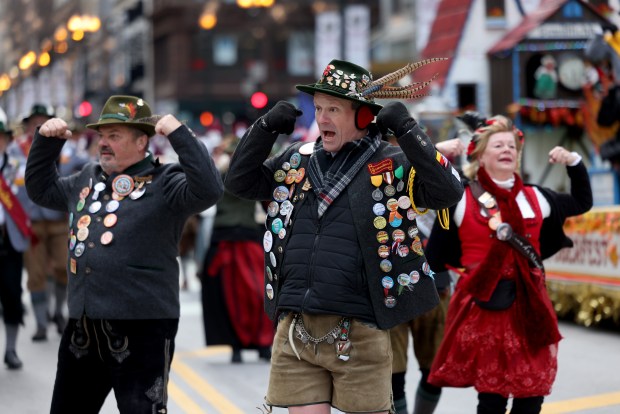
x,y
347,162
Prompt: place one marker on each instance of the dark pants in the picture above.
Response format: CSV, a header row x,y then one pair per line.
x,y
11,264
496,404
131,357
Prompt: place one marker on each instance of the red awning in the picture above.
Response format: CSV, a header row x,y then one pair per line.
x,y
444,38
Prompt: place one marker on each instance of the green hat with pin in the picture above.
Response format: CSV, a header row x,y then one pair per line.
x,y
126,110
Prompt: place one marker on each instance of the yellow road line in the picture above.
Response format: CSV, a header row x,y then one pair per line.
x,y
183,400
204,352
195,381
580,404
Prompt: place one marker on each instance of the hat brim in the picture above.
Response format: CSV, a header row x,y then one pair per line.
x,y
312,89
148,129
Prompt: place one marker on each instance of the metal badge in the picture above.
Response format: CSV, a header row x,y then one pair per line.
x,y
414,277
82,233
389,190
385,265
379,222
110,220
122,185
280,193
84,221
106,238
79,249
269,291
398,236
279,176
382,237
383,251
277,225
387,282
94,207
272,209
112,206
269,273
377,195
267,241
389,301
403,279
378,209
136,194
295,160
80,205
99,187
404,202
392,204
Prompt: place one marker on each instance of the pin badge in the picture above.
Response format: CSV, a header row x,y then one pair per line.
x,y
106,238
267,241
122,185
99,187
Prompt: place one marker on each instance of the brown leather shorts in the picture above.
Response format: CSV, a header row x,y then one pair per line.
x,y
320,377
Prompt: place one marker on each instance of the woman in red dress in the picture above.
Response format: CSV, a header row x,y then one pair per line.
x,y
501,332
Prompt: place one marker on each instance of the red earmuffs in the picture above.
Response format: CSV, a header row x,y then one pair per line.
x,y
363,117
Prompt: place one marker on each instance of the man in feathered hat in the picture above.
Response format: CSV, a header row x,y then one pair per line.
x,y
126,215
343,260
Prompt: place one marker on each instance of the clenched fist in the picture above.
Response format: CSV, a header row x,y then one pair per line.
x,y
166,125
55,127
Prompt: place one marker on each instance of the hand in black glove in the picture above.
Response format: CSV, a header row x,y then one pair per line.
x,y
396,117
281,118
473,119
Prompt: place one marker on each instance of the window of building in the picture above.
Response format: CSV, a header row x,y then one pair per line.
x,y
466,95
495,13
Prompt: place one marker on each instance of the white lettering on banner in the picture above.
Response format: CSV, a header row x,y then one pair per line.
x,y
564,31
593,253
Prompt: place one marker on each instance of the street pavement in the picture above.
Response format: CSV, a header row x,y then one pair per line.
x,y
203,381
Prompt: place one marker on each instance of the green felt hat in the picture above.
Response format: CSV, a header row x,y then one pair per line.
x,y
126,110
344,80
39,109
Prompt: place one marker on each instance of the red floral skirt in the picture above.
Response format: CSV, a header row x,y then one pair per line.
x,y
481,348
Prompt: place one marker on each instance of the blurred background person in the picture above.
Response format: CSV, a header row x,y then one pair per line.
x,y
46,259
232,273
15,234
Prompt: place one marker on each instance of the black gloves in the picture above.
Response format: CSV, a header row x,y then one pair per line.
x,y
473,120
281,118
396,117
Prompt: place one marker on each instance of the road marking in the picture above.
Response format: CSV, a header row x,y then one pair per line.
x,y
183,400
195,381
580,404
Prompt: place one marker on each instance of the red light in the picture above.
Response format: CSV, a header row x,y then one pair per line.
x,y
206,119
85,109
259,100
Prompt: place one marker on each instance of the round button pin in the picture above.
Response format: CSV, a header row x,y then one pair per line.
x,y
94,207
267,241
112,206
110,220
82,233
387,282
390,301
106,238
84,221
378,209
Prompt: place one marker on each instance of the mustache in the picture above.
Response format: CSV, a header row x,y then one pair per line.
x,y
106,150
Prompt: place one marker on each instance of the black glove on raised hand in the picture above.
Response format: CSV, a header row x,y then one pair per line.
x,y
473,119
396,117
281,118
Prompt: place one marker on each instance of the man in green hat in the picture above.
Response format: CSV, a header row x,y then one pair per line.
x,y
343,259
126,215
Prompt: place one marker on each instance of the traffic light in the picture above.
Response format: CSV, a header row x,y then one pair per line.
x,y
259,100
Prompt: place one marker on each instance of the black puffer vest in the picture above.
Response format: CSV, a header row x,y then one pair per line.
x,y
323,269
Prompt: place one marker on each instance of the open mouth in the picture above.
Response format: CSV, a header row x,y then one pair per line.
x,y
328,134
